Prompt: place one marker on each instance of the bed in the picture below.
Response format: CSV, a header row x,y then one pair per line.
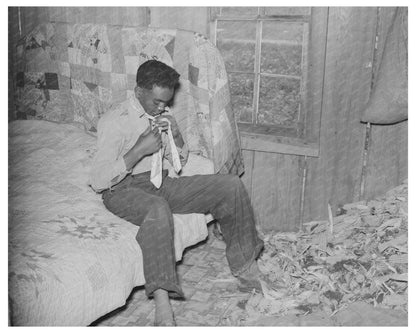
x,y
70,260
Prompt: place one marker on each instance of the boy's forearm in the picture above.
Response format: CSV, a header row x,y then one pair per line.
x,y
177,137
132,157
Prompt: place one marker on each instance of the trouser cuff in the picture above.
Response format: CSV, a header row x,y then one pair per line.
x,y
173,289
256,252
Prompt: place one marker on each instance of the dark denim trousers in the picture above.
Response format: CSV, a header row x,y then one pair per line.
x,y
136,200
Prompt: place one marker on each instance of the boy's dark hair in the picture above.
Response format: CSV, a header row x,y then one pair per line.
x,y
154,72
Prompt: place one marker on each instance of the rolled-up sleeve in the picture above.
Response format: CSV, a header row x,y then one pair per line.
x,y
108,167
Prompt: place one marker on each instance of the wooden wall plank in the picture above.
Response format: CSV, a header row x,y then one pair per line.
x,y
247,177
335,176
315,73
387,159
276,191
13,36
59,14
187,18
134,16
256,142
126,16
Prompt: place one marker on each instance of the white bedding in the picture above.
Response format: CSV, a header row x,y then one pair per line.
x,y
70,260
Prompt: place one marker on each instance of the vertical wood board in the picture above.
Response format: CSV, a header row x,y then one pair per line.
x,y
125,16
186,18
335,176
315,72
13,36
387,160
276,191
247,177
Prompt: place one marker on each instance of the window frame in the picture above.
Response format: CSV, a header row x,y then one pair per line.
x,y
299,139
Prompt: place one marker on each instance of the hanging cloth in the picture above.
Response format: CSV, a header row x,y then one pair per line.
x,y
389,96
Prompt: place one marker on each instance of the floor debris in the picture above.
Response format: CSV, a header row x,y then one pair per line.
x,y
357,257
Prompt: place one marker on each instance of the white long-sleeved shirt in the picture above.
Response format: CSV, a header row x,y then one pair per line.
x,y
118,131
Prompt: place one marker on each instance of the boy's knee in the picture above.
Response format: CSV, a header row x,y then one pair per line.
x,y
154,210
228,186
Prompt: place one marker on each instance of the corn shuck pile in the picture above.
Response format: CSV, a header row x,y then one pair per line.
x,y
359,255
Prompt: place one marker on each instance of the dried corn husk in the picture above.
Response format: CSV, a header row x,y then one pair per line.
x,y
358,256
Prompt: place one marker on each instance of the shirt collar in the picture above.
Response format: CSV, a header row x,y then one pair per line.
x,y
137,106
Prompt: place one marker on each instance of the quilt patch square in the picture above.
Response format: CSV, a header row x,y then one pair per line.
x,y
51,81
64,68
193,74
170,47
132,63
116,49
20,79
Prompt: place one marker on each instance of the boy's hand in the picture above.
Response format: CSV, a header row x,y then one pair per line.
x,y
150,141
161,123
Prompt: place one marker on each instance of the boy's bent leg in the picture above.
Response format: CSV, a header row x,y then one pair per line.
x,y
156,239
155,236
225,197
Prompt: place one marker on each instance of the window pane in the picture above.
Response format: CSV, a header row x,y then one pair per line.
x,y
236,42
238,11
241,86
279,101
281,51
287,10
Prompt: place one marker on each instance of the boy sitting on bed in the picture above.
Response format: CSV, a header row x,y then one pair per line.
x,y
131,136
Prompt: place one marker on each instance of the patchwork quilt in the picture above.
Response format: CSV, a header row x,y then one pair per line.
x,y
74,72
70,260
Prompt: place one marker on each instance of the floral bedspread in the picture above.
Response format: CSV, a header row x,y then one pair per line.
x,y
70,260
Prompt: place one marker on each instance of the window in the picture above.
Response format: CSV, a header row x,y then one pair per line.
x,y
265,50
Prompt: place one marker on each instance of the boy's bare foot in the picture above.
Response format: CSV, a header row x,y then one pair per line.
x,y
250,279
163,311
